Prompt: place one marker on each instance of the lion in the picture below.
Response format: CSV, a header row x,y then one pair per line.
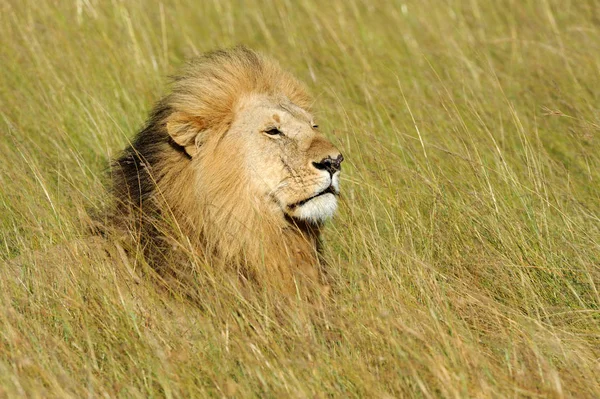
x,y
232,162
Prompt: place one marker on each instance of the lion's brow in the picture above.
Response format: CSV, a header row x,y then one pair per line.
x,y
295,111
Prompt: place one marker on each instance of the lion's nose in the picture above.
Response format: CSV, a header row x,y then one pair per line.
x,y
330,164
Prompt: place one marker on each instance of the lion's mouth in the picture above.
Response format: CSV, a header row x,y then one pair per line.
x,y
328,190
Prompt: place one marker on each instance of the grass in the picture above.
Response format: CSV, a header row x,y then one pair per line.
x,y
466,250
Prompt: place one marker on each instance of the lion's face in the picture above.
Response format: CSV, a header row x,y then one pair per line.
x,y
289,162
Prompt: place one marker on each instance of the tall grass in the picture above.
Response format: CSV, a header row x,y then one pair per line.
x,y
466,251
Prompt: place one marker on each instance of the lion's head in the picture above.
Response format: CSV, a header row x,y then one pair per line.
x,y
234,155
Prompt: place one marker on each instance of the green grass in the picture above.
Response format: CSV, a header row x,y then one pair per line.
x,y
466,250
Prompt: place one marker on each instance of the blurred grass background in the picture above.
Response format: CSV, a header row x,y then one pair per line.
x,y
466,250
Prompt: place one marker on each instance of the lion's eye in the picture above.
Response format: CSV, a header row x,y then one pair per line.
x,y
273,131
315,126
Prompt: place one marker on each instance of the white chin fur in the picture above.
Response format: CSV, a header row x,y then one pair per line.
x,y
318,209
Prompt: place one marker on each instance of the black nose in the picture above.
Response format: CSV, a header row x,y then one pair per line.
x,y
329,164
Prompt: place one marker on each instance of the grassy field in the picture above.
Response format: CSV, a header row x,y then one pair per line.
x,y
466,250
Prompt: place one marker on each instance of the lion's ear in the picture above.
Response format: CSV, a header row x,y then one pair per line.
x,y
185,130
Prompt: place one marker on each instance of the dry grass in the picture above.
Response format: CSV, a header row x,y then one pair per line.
x,y
467,249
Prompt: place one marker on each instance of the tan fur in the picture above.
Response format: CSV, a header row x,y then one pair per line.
x,y
237,197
